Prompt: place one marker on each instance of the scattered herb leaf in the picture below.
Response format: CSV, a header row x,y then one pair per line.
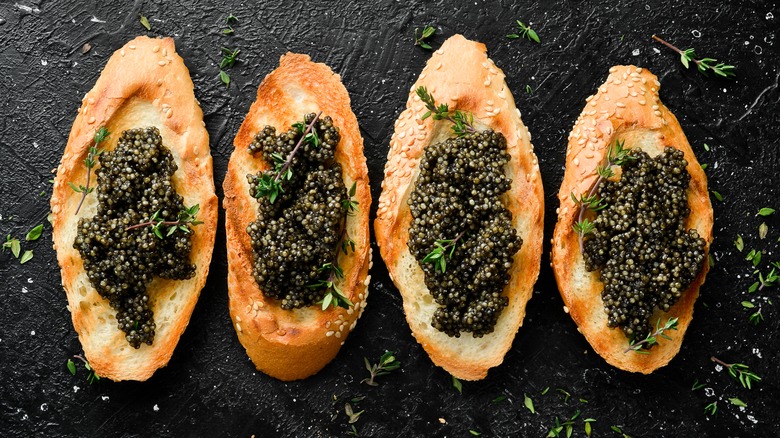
x,y
387,363
703,65
766,211
463,122
711,408
145,22
739,243
737,402
421,40
457,385
34,234
26,257
12,244
739,372
525,32
717,195
528,403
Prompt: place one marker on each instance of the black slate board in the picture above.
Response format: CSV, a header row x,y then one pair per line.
x,y
211,389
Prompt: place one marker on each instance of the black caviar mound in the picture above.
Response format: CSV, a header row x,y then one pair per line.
x,y
646,256
298,233
134,182
458,195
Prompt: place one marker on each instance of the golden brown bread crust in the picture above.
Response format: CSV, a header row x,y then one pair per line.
x,y
284,344
626,107
145,83
461,75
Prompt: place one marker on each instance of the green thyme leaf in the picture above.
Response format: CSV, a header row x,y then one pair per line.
x,y
457,385
71,367
528,403
717,195
737,402
766,211
26,257
35,233
224,77
145,23
739,243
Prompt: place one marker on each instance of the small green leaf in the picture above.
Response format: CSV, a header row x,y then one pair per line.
x,y
71,367
528,403
739,243
498,399
26,257
718,196
145,23
225,78
704,166
532,35
544,391
763,230
737,402
474,432
684,59
457,385
35,233
766,211
748,305
706,146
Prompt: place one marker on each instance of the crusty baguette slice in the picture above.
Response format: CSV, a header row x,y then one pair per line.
x,y
145,83
294,344
626,107
461,75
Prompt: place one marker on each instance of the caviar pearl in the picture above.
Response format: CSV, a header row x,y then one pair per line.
x,y
133,182
299,232
459,190
646,256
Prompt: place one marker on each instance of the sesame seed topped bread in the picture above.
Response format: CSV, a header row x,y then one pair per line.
x,y
461,75
626,107
294,344
144,84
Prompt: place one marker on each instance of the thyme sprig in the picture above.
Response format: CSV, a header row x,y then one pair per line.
x,y
186,218
711,408
229,21
333,295
100,135
652,338
740,372
272,187
463,122
525,32
92,377
443,249
12,244
427,32
617,155
387,363
228,61
771,279
704,64
349,205
560,427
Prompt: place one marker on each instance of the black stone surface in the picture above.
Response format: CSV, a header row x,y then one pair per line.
x,y
210,387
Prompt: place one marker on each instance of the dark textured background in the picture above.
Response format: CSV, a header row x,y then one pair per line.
x,y
210,387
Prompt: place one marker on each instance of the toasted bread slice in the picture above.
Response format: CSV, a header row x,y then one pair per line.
x,y
144,84
294,344
461,75
626,107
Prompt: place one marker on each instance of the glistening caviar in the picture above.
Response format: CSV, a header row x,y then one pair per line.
x,y
133,184
456,205
301,214
646,257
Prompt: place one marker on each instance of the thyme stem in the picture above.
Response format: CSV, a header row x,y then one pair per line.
x,y
288,162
